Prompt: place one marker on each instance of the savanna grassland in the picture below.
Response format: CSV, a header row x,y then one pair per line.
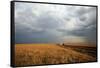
x,y
37,54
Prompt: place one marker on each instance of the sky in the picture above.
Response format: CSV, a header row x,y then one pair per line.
x,y
50,23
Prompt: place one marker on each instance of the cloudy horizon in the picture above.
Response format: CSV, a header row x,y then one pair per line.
x,y
48,23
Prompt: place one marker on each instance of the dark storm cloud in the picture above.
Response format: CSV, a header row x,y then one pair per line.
x,y
83,18
47,22
38,23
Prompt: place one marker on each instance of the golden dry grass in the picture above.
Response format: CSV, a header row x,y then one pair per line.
x,y
36,54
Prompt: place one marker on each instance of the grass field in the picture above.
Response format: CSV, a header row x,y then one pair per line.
x,y
37,54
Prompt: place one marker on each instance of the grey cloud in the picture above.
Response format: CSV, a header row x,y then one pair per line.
x,y
47,22
90,33
41,26
83,18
